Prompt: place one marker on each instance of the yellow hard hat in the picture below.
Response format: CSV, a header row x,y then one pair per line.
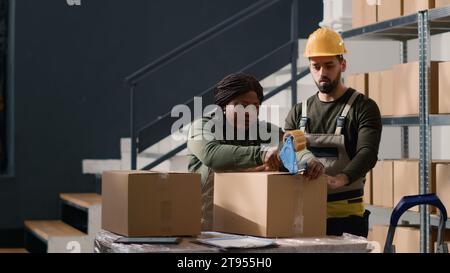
x,y
324,42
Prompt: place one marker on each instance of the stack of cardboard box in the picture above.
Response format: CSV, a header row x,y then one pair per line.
x,y
381,86
394,179
442,3
359,82
363,13
406,87
389,9
396,91
444,88
366,12
406,239
441,171
383,184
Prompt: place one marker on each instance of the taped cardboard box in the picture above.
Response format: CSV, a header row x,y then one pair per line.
x,y
406,88
383,184
148,204
444,88
414,6
389,9
363,13
270,205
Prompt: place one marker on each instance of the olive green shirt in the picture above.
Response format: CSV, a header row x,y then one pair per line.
x,y
362,129
207,153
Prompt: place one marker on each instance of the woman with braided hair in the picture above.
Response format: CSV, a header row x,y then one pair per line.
x,y
210,150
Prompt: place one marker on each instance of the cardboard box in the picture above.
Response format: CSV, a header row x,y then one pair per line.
x,y
389,9
442,171
381,86
414,6
368,189
375,87
363,14
359,82
270,205
406,88
387,92
383,184
406,239
406,181
444,88
148,204
442,3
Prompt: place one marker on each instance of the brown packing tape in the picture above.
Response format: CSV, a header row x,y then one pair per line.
x,y
166,217
299,139
163,184
298,209
166,206
163,179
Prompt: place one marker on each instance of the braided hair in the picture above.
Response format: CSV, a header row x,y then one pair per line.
x,y
235,85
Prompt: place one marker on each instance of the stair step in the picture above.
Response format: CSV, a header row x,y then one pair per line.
x,y
13,250
52,228
82,200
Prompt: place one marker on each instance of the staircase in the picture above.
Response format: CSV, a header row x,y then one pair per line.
x,y
74,233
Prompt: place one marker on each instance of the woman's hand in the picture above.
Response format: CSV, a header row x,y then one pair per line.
x,y
272,160
261,168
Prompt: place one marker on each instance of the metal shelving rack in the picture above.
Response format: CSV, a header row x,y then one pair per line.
x,y
415,26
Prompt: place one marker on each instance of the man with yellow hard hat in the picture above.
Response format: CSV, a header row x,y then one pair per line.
x,y
343,131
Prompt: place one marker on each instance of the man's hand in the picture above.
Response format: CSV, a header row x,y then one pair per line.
x,y
314,170
338,181
272,160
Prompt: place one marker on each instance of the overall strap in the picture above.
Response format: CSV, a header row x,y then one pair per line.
x,y
304,120
341,120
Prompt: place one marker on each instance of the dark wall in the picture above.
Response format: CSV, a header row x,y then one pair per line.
x,y
70,100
